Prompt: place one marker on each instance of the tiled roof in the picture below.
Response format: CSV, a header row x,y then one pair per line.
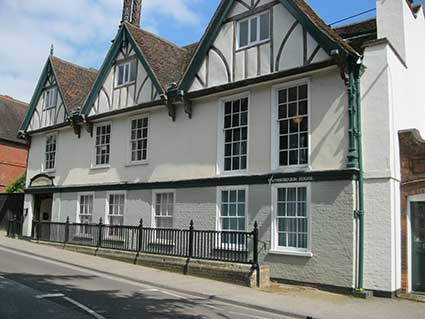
x,y
322,26
356,34
167,60
12,113
75,82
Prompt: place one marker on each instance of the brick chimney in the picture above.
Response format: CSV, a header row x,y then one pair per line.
x,y
131,11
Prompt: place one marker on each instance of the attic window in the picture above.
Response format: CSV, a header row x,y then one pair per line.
x,y
50,98
254,30
126,73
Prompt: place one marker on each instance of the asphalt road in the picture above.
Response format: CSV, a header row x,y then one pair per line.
x,y
31,287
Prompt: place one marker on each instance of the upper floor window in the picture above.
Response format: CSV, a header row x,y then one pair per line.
x,y
103,144
234,135
291,126
139,139
126,73
254,30
50,153
50,98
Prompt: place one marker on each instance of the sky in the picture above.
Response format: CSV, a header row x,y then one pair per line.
x,y
81,31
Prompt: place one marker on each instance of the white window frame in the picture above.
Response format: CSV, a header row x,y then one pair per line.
x,y
126,82
220,189
275,249
157,192
108,194
77,218
258,42
93,164
276,167
50,170
154,238
49,91
129,149
220,135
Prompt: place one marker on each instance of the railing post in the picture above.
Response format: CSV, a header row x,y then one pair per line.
x,y
191,238
255,252
140,235
67,230
99,239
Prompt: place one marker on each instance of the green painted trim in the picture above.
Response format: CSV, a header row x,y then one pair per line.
x,y
357,74
36,96
318,176
221,15
352,142
123,35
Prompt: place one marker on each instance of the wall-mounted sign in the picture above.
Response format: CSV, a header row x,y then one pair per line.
x,y
42,180
293,179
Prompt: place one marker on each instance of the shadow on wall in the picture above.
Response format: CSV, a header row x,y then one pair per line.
x,y
116,303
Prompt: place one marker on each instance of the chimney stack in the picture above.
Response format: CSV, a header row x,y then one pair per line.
x,y
131,11
392,19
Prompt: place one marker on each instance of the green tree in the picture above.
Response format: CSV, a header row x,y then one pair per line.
x,y
17,186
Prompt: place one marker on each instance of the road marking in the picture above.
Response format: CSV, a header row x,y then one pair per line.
x,y
148,289
245,315
49,296
86,309
172,294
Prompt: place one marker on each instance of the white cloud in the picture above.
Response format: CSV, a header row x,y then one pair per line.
x,y
81,31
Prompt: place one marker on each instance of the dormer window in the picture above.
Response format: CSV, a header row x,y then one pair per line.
x,y
254,30
125,73
50,98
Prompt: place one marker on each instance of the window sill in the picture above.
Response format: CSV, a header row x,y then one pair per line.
x,y
99,167
117,87
232,173
252,45
292,253
141,163
49,171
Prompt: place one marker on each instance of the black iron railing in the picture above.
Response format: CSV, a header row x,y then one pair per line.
x,y
14,227
238,247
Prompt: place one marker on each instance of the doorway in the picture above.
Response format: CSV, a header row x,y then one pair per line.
x,y
43,207
417,224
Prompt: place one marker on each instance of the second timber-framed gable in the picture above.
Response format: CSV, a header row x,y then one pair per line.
x,y
248,39
125,79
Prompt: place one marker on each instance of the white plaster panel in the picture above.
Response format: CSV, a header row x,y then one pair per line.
x,y
265,59
252,62
239,65
292,54
320,56
217,70
282,22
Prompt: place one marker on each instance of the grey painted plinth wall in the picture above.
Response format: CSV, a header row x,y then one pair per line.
x,y
332,208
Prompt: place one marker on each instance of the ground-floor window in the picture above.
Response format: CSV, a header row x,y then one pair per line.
x,y
291,217
164,209
85,213
116,209
232,213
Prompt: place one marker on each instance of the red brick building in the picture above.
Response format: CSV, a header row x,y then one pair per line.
x,y
412,156
13,151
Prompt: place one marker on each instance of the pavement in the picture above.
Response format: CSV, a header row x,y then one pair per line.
x,y
201,295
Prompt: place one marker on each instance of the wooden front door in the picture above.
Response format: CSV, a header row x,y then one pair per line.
x,y
418,246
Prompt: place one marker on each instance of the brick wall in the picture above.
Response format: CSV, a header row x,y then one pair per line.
x,y
412,162
13,163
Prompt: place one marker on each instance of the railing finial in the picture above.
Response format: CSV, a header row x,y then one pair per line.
x,y
101,220
141,222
